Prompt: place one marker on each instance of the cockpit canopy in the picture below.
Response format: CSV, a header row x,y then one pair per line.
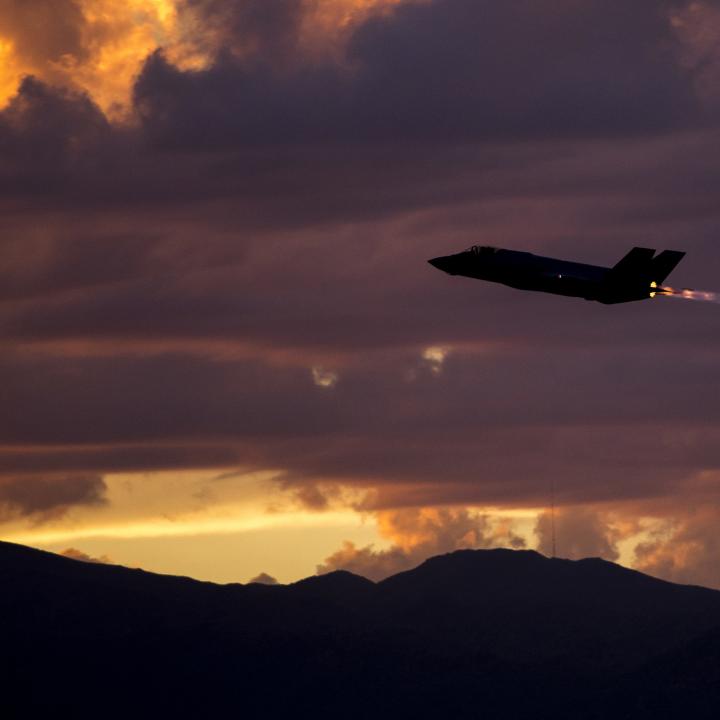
x,y
482,250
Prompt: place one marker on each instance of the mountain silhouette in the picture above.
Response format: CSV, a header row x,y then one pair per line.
x,y
472,634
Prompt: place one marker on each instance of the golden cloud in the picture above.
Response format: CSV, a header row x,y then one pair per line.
x,y
416,534
94,45
99,46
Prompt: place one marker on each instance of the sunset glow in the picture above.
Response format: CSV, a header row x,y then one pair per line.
x,y
218,324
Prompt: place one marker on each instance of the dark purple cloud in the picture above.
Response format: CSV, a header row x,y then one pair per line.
x,y
267,28
44,127
490,428
445,71
117,458
42,498
524,68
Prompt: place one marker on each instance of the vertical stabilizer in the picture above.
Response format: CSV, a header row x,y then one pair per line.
x,y
664,264
637,264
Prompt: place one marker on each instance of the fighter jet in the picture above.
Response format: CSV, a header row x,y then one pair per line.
x,y
638,276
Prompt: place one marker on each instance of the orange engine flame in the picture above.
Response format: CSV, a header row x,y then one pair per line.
x,y
685,293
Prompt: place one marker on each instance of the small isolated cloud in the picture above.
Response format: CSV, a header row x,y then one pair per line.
x,y
435,358
417,534
75,554
312,497
264,579
324,378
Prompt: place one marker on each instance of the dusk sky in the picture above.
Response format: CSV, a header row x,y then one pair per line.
x,y
223,351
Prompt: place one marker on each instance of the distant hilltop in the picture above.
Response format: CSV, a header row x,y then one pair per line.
x,y
475,633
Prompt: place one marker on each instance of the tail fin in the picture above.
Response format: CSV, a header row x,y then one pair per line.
x,y
664,264
637,262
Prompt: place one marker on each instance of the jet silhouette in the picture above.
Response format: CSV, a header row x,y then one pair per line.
x,y
638,276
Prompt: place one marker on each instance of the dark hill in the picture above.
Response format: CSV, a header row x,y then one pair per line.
x,y
468,635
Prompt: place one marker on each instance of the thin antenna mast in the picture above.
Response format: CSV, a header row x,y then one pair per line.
x,y
552,512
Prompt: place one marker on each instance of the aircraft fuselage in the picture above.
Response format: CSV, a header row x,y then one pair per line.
x,y
636,277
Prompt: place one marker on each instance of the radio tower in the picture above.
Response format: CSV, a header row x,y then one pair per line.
x,y
552,513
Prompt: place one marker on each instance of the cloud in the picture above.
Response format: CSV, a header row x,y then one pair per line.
x,y
486,427
416,534
100,45
504,79
46,498
614,70
47,135
113,457
269,28
579,533
312,497
324,378
275,32
673,538
75,554
683,548
97,46
44,32
264,579
319,109
697,26
435,357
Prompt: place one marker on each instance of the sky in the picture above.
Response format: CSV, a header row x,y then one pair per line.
x,y
223,352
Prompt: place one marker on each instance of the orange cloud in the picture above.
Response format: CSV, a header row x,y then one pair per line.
x,y
417,534
94,45
99,46
684,549
579,533
679,544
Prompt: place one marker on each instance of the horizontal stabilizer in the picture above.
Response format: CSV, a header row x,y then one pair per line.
x,y
664,264
636,263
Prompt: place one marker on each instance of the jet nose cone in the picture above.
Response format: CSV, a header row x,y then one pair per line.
x,y
443,263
